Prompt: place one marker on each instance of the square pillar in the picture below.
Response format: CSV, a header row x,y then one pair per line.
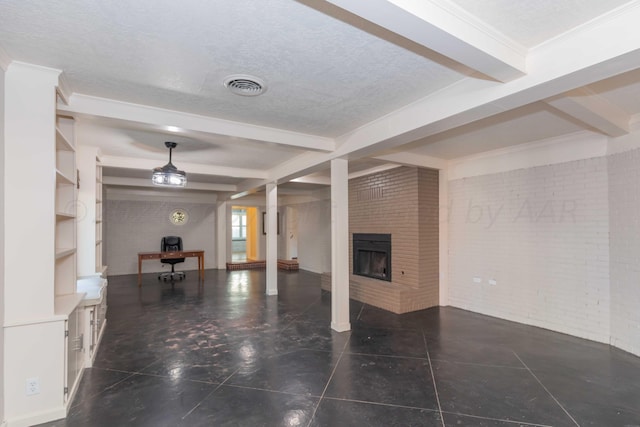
x,y
272,239
340,245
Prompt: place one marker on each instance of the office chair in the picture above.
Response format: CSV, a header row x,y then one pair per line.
x,y
171,244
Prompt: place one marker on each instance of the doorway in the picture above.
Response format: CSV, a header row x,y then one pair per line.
x,y
244,233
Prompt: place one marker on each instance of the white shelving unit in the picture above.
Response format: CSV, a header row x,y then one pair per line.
x,y
67,299
65,209
42,335
90,242
91,271
100,267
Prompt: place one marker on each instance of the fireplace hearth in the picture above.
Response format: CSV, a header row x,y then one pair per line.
x,y
372,255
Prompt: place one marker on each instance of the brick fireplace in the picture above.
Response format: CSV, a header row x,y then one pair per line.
x,y
402,203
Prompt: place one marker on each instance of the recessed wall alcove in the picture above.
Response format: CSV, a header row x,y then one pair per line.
x,y
403,203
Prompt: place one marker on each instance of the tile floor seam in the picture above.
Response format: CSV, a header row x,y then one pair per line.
x,y
393,356
546,389
201,401
268,390
326,386
433,378
519,423
391,405
208,395
480,364
73,404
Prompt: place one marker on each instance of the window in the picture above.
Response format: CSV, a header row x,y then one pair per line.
x,y
239,224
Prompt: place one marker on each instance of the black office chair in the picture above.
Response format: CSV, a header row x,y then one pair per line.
x,y
171,244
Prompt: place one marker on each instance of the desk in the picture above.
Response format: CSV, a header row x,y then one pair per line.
x,y
199,253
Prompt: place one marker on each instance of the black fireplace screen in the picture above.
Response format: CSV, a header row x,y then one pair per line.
x,y
372,255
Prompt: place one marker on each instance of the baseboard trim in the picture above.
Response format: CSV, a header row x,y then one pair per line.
x,y
34,419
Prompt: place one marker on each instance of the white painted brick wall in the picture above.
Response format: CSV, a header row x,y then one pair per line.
x,y
624,220
138,226
542,235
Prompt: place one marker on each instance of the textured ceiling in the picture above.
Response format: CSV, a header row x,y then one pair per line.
x,y
324,76
330,74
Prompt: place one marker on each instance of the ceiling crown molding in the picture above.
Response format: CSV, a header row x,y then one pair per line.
x,y
5,59
64,90
481,26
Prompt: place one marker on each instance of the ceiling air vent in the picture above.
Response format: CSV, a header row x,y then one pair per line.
x,y
242,84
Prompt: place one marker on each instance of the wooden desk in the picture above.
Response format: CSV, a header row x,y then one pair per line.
x,y
199,253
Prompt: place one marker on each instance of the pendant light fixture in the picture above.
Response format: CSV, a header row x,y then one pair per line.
x,y
168,175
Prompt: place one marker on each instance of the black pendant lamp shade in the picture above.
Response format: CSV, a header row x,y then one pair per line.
x,y
168,175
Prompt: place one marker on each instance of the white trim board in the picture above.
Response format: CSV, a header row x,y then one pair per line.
x,y
567,148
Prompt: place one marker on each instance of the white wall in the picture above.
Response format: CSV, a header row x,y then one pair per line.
x,y
542,234
2,245
624,220
314,236
138,226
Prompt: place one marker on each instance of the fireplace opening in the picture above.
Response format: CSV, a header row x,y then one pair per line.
x,y
372,255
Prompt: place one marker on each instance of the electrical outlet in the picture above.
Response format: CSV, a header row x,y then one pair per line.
x,y
33,386
477,280
493,282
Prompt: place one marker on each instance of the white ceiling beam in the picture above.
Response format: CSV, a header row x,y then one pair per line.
x,y
412,159
448,30
161,118
597,52
594,111
375,169
313,179
601,50
139,182
146,164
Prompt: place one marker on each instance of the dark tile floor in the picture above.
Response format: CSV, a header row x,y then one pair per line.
x,y
224,354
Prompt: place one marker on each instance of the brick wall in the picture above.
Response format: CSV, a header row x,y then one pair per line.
x,y
402,202
542,235
624,228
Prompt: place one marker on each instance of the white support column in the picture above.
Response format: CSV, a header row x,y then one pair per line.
x,y
272,239
340,245
222,235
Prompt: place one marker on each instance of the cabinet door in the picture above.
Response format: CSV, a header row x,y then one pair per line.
x,y
72,370
75,349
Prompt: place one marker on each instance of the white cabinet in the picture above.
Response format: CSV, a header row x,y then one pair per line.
x,y
94,313
75,351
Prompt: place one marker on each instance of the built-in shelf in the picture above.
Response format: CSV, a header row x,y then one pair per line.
x,y
62,216
64,252
61,178
62,143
